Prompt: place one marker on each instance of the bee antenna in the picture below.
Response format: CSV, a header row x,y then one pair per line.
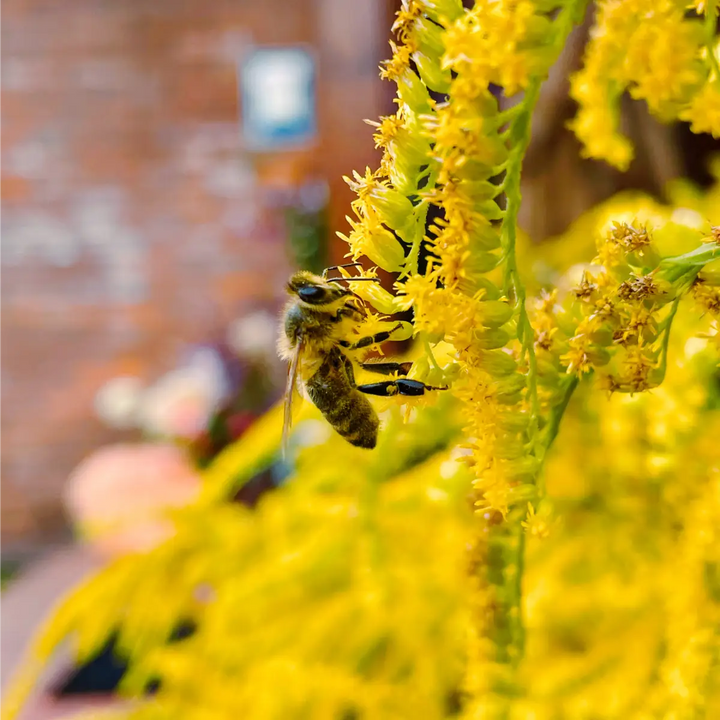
x,y
337,267
354,279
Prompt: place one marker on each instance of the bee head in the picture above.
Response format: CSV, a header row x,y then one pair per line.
x,y
312,290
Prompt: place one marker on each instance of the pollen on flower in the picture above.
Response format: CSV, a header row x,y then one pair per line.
x,y
714,235
703,111
637,365
405,19
641,326
398,64
369,237
605,308
629,237
660,60
577,359
387,129
535,524
586,290
707,297
609,383
638,288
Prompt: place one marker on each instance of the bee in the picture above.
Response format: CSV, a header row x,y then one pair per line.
x,y
317,341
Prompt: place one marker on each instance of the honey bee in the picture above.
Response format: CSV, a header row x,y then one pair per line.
x,y
316,340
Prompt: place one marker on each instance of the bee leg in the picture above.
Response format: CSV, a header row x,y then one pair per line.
x,y
370,339
401,386
387,368
352,309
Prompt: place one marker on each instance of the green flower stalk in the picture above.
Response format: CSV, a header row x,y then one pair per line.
x,y
464,156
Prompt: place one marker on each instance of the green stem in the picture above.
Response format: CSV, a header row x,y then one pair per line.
x,y
421,211
519,136
710,26
551,430
666,338
505,574
431,356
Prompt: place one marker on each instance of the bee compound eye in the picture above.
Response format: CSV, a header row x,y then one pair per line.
x,y
312,294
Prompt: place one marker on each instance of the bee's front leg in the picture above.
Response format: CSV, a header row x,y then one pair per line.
x,y
387,368
401,386
370,339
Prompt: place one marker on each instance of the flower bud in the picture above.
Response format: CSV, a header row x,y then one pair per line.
x,y
402,174
409,147
602,336
383,301
488,291
412,92
509,446
479,263
490,210
509,398
423,370
538,30
493,313
431,73
404,332
393,207
376,198
567,319
510,384
377,243
548,373
497,362
475,169
644,260
710,274
598,356
443,10
491,338
522,469
513,421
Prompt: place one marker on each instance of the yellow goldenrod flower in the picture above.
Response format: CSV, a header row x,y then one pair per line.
x,y
370,238
703,111
661,60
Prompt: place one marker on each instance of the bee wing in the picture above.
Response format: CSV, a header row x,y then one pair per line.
x,y
291,391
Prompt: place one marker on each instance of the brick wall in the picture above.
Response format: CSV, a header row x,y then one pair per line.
x,y
133,222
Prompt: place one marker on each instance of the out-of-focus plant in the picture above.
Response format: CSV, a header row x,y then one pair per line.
x,y
521,582
209,400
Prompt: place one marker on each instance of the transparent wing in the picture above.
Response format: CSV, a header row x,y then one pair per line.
x,y
291,394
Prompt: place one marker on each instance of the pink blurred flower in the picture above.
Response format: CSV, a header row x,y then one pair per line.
x,y
118,496
182,402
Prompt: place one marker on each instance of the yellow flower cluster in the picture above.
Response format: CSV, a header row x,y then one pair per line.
x,y
333,598
706,289
316,604
617,316
464,157
656,52
445,153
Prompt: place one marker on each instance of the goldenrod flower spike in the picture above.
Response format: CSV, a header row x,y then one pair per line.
x,y
669,61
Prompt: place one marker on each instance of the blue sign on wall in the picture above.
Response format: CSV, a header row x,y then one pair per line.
x,y
277,87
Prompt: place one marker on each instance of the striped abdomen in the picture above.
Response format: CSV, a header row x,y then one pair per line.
x,y
332,390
